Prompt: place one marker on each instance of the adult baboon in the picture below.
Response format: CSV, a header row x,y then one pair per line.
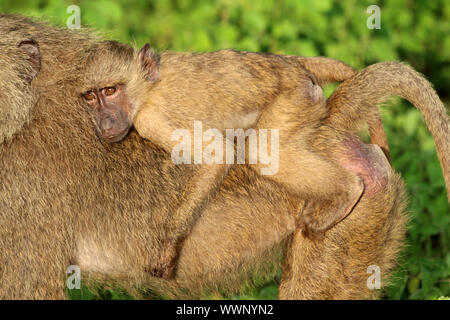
x,y
67,198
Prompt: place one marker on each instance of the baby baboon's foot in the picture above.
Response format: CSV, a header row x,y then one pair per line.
x,y
319,215
164,266
370,165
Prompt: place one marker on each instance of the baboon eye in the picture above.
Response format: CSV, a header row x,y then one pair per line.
x,y
89,95
110,91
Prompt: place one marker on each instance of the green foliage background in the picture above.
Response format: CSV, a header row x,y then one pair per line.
x,y
417,32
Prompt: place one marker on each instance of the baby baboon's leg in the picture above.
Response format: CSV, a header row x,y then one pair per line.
x,y
371,236
326,69
332,190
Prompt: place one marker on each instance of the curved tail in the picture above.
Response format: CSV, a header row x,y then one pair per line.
x,y
326,69
354,100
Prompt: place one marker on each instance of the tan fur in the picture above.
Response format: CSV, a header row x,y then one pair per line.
x,y
14,88
352,103
66,198
36,186
224,89
337,267
331,70
251,234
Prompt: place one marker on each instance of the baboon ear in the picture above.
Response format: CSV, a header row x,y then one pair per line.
x,y
31,49
150,63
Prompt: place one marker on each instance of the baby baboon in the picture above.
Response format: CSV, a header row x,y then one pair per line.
x,y
230,89
224,90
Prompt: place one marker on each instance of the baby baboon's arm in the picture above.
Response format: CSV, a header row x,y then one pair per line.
x,y
198,190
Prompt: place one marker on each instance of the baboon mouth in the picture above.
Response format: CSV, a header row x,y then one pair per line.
x,y
114,137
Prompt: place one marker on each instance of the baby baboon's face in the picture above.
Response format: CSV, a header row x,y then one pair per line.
x,y
111,111
113,71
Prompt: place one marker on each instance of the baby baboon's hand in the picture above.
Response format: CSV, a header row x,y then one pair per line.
x,y
164,265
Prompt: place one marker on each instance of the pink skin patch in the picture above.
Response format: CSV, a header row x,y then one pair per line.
x,y
368,162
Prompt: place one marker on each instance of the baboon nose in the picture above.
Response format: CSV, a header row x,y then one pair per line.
x,y
107,124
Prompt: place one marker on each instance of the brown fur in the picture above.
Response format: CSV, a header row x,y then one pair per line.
x,y
38,177
353,103
16,75
337,267
67,198
226,89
